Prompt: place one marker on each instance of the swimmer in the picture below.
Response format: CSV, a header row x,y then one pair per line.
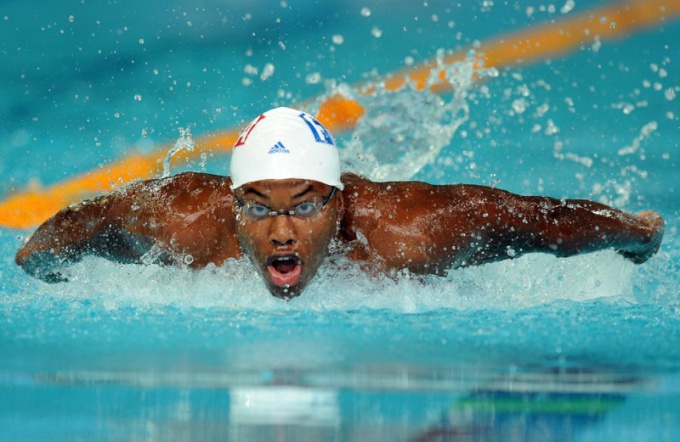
x,y
286,207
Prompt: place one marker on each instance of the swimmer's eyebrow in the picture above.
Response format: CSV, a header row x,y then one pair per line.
x,y
303,192
255,192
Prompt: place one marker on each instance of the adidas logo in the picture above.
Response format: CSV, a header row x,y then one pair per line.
x,y
278,148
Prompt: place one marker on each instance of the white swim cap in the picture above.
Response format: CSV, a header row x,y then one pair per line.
x,y
285,143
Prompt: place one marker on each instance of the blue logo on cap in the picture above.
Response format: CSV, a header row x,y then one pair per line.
x,y
321,134
278,148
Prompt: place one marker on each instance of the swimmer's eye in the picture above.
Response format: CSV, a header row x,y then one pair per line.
x,y
257,212
308,209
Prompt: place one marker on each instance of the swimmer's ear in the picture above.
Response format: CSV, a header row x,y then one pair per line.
x,y
341,204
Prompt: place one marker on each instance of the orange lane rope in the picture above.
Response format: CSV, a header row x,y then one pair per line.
x,y
31,207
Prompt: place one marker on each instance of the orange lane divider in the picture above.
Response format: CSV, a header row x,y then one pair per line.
x,y
31,207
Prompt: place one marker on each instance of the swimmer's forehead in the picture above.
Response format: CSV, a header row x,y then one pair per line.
x,y
293,187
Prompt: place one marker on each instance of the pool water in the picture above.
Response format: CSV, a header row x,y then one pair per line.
x,y
533,349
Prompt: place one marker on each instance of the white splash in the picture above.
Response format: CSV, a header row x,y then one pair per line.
x,y
184,142
341,285
405,130
635,146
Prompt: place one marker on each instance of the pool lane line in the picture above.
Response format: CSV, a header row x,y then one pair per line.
x,y
31,207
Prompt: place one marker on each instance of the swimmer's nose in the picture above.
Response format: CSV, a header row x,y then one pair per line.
x,y
282,231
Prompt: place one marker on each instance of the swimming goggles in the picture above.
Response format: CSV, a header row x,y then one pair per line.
x,y
305,210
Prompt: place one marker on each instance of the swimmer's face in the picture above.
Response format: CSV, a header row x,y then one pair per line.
x,y
287,249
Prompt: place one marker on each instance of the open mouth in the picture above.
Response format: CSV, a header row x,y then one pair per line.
x,y
284,270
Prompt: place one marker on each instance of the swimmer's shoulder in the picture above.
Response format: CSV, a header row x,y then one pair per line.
x,y
194,183
362,194
365,196
186,192
358,189
359,184
354,180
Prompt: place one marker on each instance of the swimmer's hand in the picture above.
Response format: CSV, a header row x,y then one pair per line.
x,y
651,225
41,265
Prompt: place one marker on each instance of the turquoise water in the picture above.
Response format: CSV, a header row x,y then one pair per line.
x,y
578,349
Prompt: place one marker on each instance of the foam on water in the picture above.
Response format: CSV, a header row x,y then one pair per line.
x,y
341,285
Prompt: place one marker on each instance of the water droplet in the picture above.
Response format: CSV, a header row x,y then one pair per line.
x,y
313,78
338,39
365,12
597,44
267,71
568,6
519,105
188,259
250,69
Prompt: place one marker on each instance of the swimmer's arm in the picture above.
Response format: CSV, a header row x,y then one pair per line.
x,y
91,227
513,225
185,219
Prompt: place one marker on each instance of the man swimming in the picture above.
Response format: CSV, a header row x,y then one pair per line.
x,y
286,206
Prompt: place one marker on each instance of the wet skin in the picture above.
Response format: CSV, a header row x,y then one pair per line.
x,y
192,219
